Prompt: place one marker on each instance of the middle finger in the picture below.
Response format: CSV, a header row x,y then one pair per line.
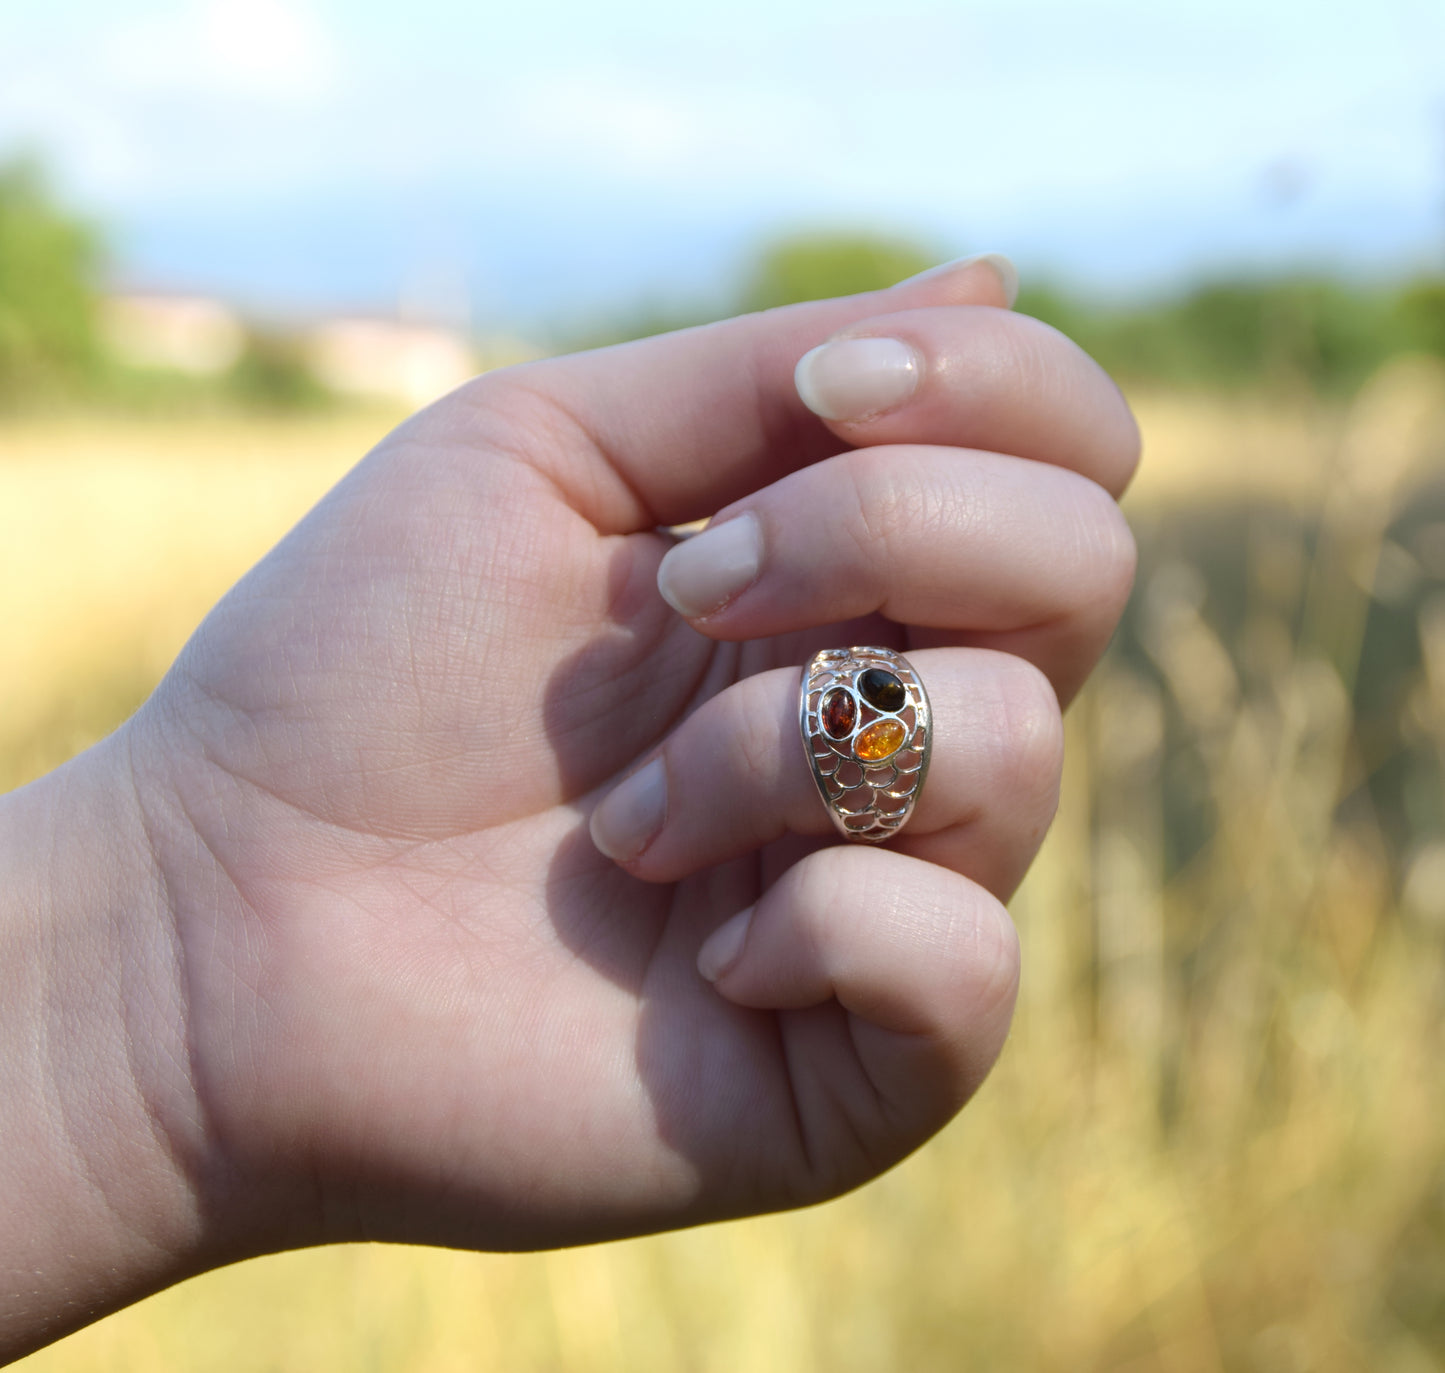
x,y
980,545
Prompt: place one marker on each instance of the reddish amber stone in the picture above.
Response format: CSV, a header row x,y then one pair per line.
x,y
882,739
838,711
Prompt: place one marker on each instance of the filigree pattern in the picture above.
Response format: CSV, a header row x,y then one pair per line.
x,y
869,760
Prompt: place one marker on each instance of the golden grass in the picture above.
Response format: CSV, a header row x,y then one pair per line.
x,y
1216,1140
116,538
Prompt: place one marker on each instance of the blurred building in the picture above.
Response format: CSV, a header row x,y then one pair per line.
x,y
392,359
366,357
384,358
189,334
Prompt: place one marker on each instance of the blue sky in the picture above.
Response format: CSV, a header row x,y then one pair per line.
x,y
547,160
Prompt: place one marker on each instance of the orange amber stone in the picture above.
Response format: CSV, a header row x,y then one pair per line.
x,y
882,739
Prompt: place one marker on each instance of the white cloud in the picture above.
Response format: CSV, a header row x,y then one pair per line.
x,y
267,51
169,97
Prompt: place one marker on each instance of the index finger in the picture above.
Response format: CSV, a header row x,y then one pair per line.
x,y
676,426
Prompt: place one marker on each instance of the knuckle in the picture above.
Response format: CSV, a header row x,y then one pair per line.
x,y
1131,437
1117,557
996,962
1028,356
871,511
515,409
825,880
1031,730
819,885
751,751
1059,373
505,390
889,512
1107,553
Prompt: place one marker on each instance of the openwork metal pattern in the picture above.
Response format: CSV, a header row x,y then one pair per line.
x,y
866,729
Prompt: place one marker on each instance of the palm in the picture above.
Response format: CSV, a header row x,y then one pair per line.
x,y
461,659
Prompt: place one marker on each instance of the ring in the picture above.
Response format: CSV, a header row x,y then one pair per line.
x,y
866,730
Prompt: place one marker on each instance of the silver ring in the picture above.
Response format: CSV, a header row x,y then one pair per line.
x,y
867,731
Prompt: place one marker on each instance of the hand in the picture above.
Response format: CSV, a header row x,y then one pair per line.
x,y
416,1000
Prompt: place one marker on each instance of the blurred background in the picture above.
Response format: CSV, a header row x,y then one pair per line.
x,y
240,238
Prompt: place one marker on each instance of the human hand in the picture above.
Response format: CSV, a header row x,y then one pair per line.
x,y
414,999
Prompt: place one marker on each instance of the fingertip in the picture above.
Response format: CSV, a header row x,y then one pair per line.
x,y
858,376
629,817
1008,275
966,270
995,971
855,378
704,572
723,949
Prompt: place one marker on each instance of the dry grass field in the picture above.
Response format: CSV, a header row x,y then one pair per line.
x,y
1216,1140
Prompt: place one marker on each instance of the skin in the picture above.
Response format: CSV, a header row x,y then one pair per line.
x,y
317,946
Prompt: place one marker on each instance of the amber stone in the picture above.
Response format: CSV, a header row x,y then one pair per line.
x,y
880,740
838,711
882,690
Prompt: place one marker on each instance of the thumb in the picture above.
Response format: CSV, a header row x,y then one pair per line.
x,y
924,962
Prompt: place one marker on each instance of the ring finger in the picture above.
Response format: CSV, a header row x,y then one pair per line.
x,y
734,776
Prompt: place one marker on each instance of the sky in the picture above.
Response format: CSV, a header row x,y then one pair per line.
x,y
550,160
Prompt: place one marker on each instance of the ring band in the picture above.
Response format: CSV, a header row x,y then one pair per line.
x,y
867,732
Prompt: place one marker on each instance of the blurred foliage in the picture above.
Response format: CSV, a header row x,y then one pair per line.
x,y
49,264
270,377
1420,311
802,266
814,266
272,374
1291,335
1280,335
1287,334
645,319
1276,334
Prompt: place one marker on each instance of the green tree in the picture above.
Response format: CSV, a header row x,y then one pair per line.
x,y
814,266
272,374
1419,313
1269,333
49,262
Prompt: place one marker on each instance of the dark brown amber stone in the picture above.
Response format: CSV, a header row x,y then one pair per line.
x,y
839,711
882,690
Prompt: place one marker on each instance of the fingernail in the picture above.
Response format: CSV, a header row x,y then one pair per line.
x,y
706,571
1003,268
631,814
1008,274
722,947
852,378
